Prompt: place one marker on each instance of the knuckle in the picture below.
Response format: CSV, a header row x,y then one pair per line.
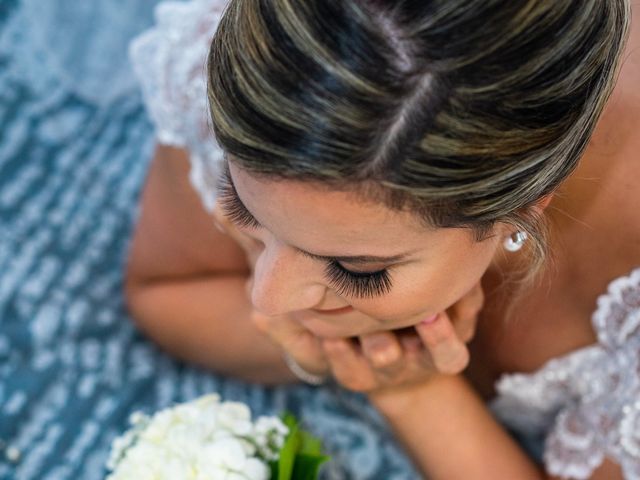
x,y
381,349
385,359
334,348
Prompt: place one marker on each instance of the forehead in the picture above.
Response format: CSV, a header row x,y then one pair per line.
x,y
307,213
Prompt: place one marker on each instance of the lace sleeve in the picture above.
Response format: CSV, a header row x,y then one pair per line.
x,y
605,420
169,62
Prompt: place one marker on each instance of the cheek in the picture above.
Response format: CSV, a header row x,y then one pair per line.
x,y
420,291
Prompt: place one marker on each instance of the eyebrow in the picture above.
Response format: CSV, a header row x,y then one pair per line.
x,y
232,201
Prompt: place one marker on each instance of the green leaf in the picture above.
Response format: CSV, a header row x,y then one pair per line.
x,y
290,420
306,466
310,444
290,448
301,455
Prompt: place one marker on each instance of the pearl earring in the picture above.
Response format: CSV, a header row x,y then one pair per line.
x,y
514,242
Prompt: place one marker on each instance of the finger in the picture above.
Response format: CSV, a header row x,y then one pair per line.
x,y
464,313
298,342
449,353
382,350
348,366
411,342
289,335
414,351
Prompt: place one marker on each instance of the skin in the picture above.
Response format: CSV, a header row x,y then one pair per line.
x,y
420,326
595,238
302,216
598,198
443,422
288,285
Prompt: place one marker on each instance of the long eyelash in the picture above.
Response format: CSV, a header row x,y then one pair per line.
x,y
361,285
231,206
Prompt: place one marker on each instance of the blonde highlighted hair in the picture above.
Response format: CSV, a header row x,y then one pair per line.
x,y
466,112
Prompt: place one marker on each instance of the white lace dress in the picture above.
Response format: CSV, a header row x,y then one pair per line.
x,y
169,61
585,404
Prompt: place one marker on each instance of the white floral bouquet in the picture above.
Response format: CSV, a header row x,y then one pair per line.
x,y
207,439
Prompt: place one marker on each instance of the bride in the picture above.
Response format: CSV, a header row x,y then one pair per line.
x,y
405,203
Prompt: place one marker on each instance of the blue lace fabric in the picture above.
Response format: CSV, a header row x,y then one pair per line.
x,y
75,144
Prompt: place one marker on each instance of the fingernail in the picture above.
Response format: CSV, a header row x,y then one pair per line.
x,y
430,319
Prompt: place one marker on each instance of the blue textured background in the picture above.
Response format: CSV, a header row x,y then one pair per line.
x,y
74,147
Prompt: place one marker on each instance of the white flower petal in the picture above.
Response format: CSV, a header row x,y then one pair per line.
x,y
201,440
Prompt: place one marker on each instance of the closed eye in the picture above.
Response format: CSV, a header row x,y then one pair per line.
x,y
357,284
231,204
349,283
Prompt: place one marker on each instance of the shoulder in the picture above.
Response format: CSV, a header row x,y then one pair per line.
x,y
594,216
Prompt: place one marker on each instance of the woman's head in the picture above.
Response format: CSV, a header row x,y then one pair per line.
x,y
462,113
320,248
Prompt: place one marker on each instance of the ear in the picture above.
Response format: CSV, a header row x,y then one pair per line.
x,y
536,209
541,205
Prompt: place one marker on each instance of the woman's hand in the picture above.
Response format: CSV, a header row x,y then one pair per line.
x,y
387,359
390,359
284,330
377,360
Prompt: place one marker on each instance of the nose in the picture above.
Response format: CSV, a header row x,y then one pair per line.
x,y
285,281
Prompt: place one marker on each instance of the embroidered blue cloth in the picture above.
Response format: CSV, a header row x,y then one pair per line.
x,y
75,143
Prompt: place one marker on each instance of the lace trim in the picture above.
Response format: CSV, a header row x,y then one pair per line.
x,y
617,318
169,61
589,399
572,449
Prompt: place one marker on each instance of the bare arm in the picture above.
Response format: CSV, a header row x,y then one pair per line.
x,y
185,280
450,434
